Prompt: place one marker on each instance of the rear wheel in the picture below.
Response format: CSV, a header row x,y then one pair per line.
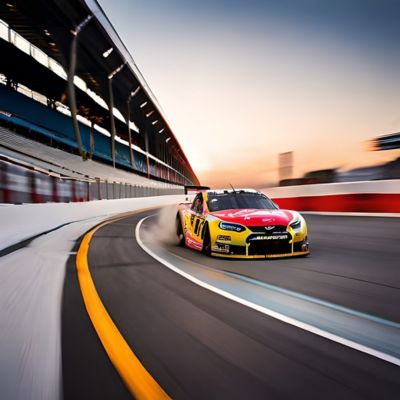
x,y
179,231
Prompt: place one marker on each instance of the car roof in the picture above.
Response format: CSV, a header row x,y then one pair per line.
x,y
227,191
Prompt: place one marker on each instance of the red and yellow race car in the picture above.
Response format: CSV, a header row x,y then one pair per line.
x,y
240,223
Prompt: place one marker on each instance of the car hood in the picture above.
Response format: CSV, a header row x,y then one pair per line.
x,y
255,217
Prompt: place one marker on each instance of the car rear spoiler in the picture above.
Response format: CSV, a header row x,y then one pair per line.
x,y
195,188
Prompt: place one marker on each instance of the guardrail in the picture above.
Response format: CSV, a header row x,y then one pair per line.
x,y
21,183
382,196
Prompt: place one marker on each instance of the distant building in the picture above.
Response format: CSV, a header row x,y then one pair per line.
x,y
387,142
285,165
389,170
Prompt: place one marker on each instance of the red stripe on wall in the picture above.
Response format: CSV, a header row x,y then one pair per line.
x,y
362,202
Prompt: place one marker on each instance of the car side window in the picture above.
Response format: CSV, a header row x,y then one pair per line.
x,y
194,203
197,205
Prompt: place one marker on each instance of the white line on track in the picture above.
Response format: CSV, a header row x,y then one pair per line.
x,y
264,310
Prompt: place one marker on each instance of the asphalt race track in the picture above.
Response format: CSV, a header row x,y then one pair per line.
x,y
200,345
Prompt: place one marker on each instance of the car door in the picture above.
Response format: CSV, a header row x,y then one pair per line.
x,y
196,219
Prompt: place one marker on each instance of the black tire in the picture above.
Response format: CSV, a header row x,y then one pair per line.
x,y
179,231
206,241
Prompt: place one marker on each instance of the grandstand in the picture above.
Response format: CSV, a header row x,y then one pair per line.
x,y
74,105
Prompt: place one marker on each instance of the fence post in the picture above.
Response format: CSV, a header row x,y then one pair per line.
x,y
98,188
73,190
6,195
54,187
88,197
32,185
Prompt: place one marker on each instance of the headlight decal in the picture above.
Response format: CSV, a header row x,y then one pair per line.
x,y
228,226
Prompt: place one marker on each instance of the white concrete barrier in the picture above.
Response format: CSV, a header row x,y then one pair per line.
x,y
371,196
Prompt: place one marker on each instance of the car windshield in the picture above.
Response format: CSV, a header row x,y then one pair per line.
x,y
238,200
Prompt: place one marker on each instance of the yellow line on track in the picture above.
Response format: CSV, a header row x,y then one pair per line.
x,y
138,380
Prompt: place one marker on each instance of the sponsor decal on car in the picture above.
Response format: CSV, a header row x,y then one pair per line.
x,y
272,237
224,238
221,248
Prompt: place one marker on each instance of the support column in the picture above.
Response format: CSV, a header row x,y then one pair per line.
x,y
111,109
71,86
146,142
129,132
112,122
91,139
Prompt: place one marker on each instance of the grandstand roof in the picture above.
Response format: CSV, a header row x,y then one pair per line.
x,y
49,25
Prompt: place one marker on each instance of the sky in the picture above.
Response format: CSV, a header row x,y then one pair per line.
x,y
242,81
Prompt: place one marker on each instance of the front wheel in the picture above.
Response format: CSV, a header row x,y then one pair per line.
x,y
206,241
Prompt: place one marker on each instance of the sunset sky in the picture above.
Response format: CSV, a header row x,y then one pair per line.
x,y
241,81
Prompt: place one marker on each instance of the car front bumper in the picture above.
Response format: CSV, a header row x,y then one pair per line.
x,y
248,251
293,254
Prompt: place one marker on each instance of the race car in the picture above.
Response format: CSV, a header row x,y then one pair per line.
x,y
240,223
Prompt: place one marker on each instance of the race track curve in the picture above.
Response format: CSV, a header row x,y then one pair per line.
x,y
197,344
